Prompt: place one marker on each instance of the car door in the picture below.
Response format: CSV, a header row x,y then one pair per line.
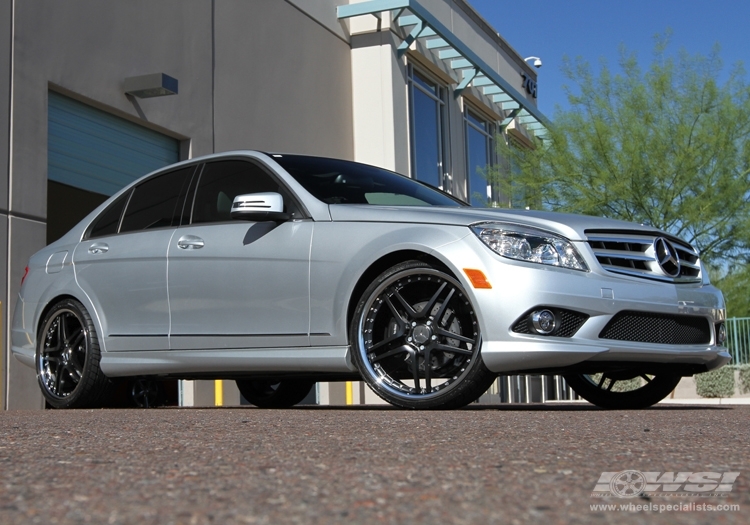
x,y
235,283
122,263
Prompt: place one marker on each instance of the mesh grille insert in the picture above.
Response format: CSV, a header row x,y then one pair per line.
x,y
643,327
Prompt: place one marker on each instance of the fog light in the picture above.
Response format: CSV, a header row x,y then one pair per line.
x,y
543,322
721,334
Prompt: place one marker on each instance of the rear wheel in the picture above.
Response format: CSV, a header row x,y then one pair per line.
x,y
274,394
625,389
67,358
416,339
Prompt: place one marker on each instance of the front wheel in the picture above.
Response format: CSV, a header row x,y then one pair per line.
x,y
416,339
67,358
625,389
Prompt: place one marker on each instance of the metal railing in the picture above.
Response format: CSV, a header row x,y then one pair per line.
x,y
738,340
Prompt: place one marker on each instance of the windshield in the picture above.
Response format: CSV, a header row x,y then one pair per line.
x,y
336,181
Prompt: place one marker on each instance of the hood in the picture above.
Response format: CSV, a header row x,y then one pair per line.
x,y
566,224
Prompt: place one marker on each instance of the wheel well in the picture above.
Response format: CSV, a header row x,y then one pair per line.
x,y
48,307
381,265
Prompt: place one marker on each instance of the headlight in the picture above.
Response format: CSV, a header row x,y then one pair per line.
x,y
529,244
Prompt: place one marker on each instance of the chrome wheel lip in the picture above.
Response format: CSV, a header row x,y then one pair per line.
x,y
45,363
397,387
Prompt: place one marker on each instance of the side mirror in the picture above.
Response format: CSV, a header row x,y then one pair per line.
x,y
259,207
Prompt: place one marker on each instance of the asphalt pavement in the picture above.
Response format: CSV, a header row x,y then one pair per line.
x,y
321,465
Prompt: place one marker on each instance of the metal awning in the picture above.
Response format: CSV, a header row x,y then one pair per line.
x,y
471,69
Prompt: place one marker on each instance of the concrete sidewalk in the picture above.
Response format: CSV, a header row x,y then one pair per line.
x,y
706,401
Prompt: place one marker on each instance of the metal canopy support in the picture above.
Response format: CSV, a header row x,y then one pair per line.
x,y
468,65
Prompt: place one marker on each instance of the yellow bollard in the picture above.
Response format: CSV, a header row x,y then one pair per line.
x,y
349,393
219,392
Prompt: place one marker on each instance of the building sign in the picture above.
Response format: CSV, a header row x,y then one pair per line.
x,y
529,84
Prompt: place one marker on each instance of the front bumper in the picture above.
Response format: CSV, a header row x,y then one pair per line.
x,y
519,287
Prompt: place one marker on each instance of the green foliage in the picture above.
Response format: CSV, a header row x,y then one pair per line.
x,y
623,385
668,146
744,379
735,285
716,383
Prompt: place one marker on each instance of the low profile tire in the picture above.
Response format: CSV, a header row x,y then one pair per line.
x,y
67,358
624,389
416,339
274,394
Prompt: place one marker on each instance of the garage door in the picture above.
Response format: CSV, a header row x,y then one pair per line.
x,y
94,151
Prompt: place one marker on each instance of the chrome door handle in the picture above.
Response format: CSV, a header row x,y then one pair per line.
x,y
190,242
98,247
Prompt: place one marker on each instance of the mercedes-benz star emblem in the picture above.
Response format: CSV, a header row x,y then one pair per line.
x,y
667,257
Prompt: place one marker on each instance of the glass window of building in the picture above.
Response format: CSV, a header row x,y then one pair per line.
x,y
480,148
427,131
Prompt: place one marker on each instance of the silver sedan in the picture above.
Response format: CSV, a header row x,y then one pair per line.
x,y
280,270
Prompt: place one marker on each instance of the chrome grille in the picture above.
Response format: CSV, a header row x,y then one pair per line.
x,y
636,254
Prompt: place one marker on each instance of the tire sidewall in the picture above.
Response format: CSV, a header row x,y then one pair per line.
x,y
87,391
453,397
659,388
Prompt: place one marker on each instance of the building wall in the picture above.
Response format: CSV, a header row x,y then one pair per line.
x,y
260,74
274,75
283,81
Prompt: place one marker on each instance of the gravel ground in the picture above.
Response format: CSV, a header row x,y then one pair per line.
x,y
501,464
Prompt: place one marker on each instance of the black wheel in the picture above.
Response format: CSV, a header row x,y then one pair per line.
x,y
416,339
625,389
147,393
67,358
274,394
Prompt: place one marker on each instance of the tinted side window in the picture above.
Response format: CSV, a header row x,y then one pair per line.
x,y
109,220
222,181
157,202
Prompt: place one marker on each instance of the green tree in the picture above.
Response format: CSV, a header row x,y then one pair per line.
x,y
668,146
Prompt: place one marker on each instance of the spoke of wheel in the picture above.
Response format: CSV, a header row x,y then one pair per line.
x,y
648,379
431,303
601,381
446,333
386,341
411,312
443,306
400,350
58,332
395,312
415,370
63,326
427,378
611,384
78,338
58,373
452,349
74,373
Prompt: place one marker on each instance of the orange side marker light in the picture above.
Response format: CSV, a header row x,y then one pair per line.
x,y
477,278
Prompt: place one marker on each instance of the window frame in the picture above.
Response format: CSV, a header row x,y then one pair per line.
x,y
182,198
296,203
443,118
470,112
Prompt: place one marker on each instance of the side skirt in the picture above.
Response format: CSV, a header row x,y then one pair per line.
x,y
252,360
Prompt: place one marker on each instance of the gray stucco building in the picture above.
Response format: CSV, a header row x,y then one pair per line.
x,y
422,87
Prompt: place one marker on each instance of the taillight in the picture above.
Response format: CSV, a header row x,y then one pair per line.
x,y
25,273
